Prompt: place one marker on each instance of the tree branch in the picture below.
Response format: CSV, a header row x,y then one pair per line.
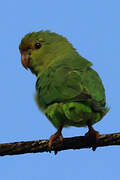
x,y
78,142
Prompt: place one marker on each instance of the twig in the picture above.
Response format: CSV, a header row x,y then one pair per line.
x,y
78,142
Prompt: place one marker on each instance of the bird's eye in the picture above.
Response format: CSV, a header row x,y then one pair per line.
x,y
37,46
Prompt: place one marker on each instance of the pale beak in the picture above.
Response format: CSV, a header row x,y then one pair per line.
x,y
25,60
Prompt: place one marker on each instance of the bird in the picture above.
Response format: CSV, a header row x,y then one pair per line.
x,y
68,90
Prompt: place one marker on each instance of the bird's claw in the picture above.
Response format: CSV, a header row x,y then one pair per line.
x,y
92,136
53,138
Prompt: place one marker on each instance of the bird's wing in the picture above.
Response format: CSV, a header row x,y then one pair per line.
x,y
71,80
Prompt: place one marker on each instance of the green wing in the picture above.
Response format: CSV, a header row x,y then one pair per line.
x,y
71,80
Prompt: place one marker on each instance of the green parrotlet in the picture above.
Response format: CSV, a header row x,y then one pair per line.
x,y
68,91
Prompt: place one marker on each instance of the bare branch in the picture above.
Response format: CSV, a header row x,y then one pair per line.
x,y
36,146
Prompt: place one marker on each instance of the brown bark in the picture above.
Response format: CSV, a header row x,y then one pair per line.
x,y
36,146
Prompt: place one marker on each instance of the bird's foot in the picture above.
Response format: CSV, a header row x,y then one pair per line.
x,y
92,136
53,138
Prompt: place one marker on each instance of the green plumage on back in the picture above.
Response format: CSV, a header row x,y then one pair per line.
x,y
69,91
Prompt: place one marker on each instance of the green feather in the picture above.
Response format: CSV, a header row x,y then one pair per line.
x,y
69,91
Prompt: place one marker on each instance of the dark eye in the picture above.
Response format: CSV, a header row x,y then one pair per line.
x,y
38,46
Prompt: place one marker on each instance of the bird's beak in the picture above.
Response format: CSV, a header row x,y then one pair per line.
x,y
25,60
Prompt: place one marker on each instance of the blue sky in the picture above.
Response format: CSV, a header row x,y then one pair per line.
x,y
93,28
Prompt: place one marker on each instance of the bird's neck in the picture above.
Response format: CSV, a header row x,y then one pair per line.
x,y
48,59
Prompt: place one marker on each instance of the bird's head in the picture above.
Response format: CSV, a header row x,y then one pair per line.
x,y
40,49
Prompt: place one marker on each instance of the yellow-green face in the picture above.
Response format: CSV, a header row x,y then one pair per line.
x,y
38,49
29,44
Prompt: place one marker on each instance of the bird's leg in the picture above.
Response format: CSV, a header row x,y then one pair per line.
x,y
92,136
57,135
